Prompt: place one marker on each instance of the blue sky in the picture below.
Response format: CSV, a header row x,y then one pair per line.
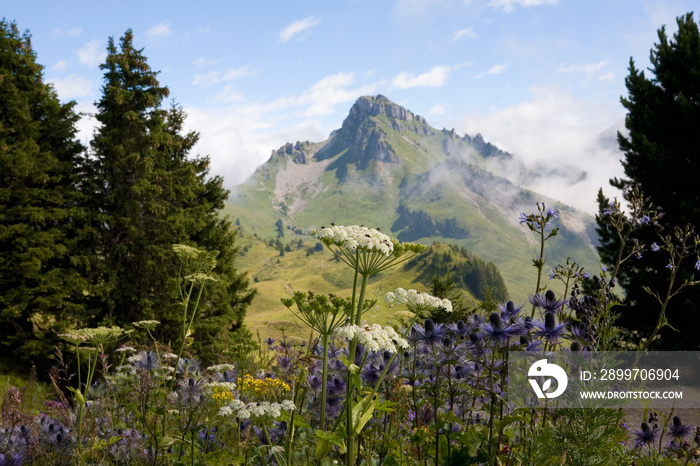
x,y
539,78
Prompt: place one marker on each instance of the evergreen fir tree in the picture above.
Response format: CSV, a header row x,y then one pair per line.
x,y
661,159
149,195
42,264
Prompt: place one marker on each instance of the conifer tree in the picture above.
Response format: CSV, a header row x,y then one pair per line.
x,y
149,194
42,221
661,159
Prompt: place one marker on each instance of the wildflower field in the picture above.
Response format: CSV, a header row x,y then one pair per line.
x,y
341,390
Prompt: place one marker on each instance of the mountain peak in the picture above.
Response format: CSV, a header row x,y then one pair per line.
x,y
369,106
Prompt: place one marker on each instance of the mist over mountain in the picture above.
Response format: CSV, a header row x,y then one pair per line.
x,y
386,167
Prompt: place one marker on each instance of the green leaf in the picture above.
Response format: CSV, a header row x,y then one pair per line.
x,y
362,413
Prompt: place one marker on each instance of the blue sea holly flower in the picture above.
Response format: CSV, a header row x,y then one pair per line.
x,y
431,332
459,328
646,436
549,330
676,430
548,302
496,331
509,311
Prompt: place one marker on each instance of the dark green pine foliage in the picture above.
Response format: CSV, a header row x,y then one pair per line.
x,y
149,195
661,157
42,266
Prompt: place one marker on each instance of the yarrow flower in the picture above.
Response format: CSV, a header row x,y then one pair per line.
x,y
417,301
242,411
355,237
373,337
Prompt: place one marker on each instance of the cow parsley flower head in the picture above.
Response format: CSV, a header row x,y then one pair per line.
x,y
355,237
416,301
373,337
240,410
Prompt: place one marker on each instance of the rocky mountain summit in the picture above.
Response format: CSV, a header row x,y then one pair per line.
x,y
387,167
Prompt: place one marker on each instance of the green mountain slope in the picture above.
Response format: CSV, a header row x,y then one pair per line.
x,y
387,168
306,265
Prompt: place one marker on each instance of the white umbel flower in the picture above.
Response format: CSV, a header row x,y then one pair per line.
x,y
373,337
241,410
415,300
353,237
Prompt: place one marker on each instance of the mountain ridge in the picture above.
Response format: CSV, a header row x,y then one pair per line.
x,y
387,167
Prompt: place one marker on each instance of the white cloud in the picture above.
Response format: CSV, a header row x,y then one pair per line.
x,y
437,109
240,136
297,28
497,69
204,61
228,95
72,32
433,78
92,53
509,5
72,87
468,32
59,66
161,29
230,74
587,68
563,147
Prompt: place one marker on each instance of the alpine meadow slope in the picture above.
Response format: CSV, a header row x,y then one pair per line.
x,y
388,168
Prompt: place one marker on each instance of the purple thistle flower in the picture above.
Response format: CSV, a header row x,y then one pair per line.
x,y
549,330
654,247
497,332
370,374
677,430
187,366
147,360
644,220
314,382
509,311
284,362
336,386
431,332
548,302
552,213
459,328
646,436
523,218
